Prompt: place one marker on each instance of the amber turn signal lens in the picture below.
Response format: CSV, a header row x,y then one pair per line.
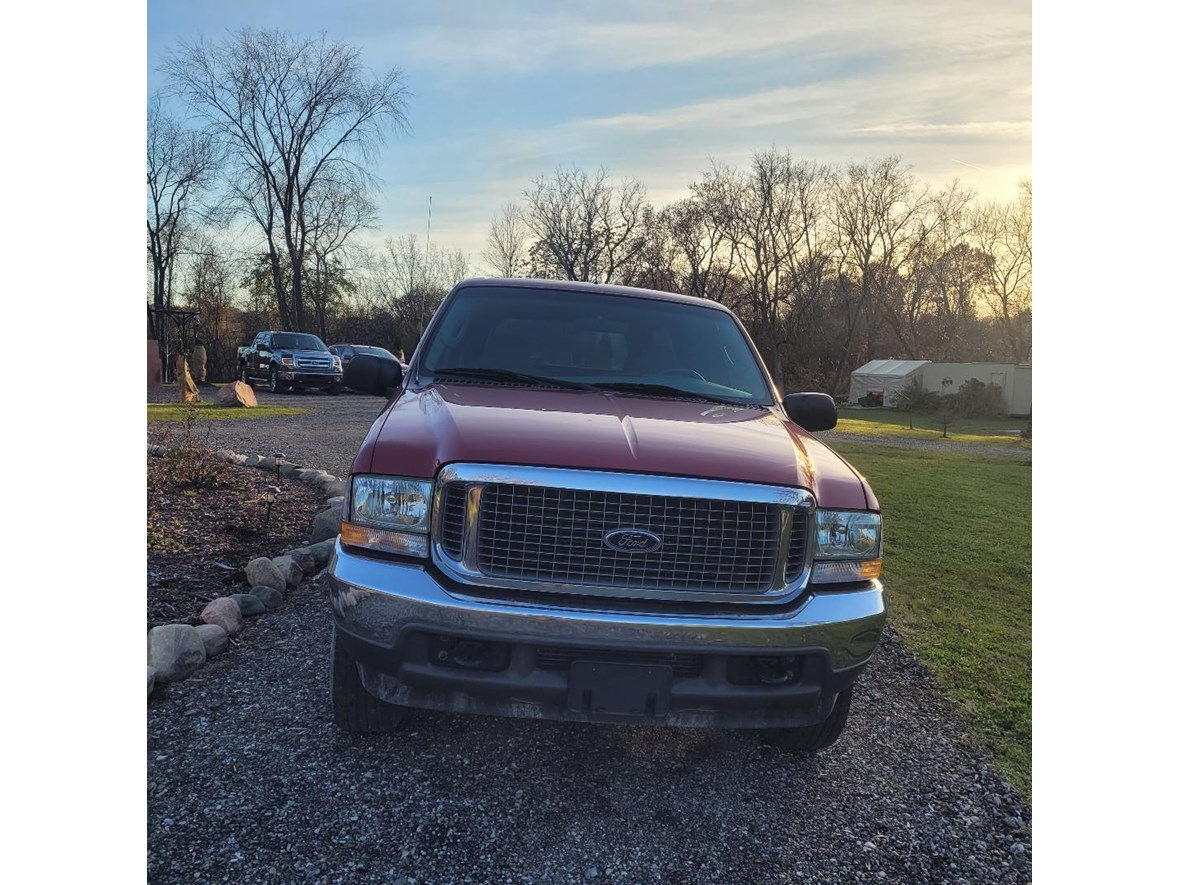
x,y
403,543
843,571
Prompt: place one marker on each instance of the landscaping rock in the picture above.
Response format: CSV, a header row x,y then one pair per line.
x,y
287,471
303,558
326,525
311,475
224,455
337,501
186,387
291,571
335,489
151,679
215,638
225,613
322,551
252,460
269,596
199,359
175,650
261,572
250,604
267,463
237,395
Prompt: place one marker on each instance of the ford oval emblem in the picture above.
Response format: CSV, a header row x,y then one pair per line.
x,y
632,541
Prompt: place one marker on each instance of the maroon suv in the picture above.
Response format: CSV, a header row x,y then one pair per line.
x,y
590,503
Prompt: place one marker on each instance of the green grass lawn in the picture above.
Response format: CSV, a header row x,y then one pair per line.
x,y
157,412
958,576
896,423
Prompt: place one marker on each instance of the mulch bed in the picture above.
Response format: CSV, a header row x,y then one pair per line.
x,y
199,541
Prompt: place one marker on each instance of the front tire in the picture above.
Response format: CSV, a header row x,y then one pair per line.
x,y
276,386
813,737
244,376
353,708
333,389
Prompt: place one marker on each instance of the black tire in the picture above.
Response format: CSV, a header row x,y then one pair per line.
x,y
244,375
333,389
276,386
813,737
353,708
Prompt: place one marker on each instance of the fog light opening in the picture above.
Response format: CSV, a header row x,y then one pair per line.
x,y
775,671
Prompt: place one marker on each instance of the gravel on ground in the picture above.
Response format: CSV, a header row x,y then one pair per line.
x,y
249,781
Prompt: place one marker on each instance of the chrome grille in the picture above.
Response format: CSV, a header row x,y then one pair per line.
x,y
454,506
797,544
313,362
545,534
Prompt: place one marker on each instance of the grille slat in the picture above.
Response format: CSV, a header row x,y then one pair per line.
x,y
454,508
536,533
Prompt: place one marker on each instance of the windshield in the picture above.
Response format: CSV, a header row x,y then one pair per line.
x,y
296,341
634,345
374,351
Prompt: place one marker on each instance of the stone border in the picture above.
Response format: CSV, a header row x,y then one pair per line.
x,y
176,651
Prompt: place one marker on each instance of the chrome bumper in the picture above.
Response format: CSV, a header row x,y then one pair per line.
x,y
378,601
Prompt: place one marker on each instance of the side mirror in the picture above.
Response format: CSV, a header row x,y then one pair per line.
x,y
372,374
811,411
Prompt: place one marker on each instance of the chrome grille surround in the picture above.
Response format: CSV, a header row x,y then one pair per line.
x,y
460,557
313,362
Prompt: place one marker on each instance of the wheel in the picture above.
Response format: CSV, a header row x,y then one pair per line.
x,y
813,737
353,708
276,386
244,375
333,389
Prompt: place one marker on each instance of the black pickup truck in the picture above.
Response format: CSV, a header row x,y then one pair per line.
x,y
286,360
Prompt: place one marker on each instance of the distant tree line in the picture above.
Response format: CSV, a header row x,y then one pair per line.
x,y
254,205
828,267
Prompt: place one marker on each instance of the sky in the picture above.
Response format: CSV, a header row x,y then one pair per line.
x,y
502,93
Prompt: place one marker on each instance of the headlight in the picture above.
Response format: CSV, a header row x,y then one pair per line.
x,y
287,360
388,513
335,362
847,546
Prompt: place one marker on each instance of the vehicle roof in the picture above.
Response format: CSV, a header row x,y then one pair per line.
x,y
597,288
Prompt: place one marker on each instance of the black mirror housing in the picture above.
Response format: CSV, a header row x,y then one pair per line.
x,y
811,411
373,375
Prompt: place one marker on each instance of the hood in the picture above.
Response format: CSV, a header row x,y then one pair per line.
x,y
424,430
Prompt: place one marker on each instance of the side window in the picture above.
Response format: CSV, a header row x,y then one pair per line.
x,y
346,353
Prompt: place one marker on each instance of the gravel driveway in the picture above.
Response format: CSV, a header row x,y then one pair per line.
x,y
248,781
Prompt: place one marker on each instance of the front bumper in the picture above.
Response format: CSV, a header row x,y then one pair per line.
x,y
314,379
396,618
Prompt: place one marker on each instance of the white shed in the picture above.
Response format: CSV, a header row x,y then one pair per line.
x,y
1014,378
882,378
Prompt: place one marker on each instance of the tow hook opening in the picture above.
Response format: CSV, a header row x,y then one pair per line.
x,y
468,654
764,670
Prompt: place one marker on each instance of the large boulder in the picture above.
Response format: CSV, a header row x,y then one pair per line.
x,y
225,613
199,358
151,679
175,650
326,525
216,640
291,571
237,393
184,381
262,572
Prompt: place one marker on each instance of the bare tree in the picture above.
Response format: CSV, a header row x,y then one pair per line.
x,y
768,224
292,112
587,228
337,209
877,214
1004,233
410,284
181,164
507,250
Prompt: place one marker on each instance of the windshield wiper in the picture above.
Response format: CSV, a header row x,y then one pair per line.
x,y
663,390
505,375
